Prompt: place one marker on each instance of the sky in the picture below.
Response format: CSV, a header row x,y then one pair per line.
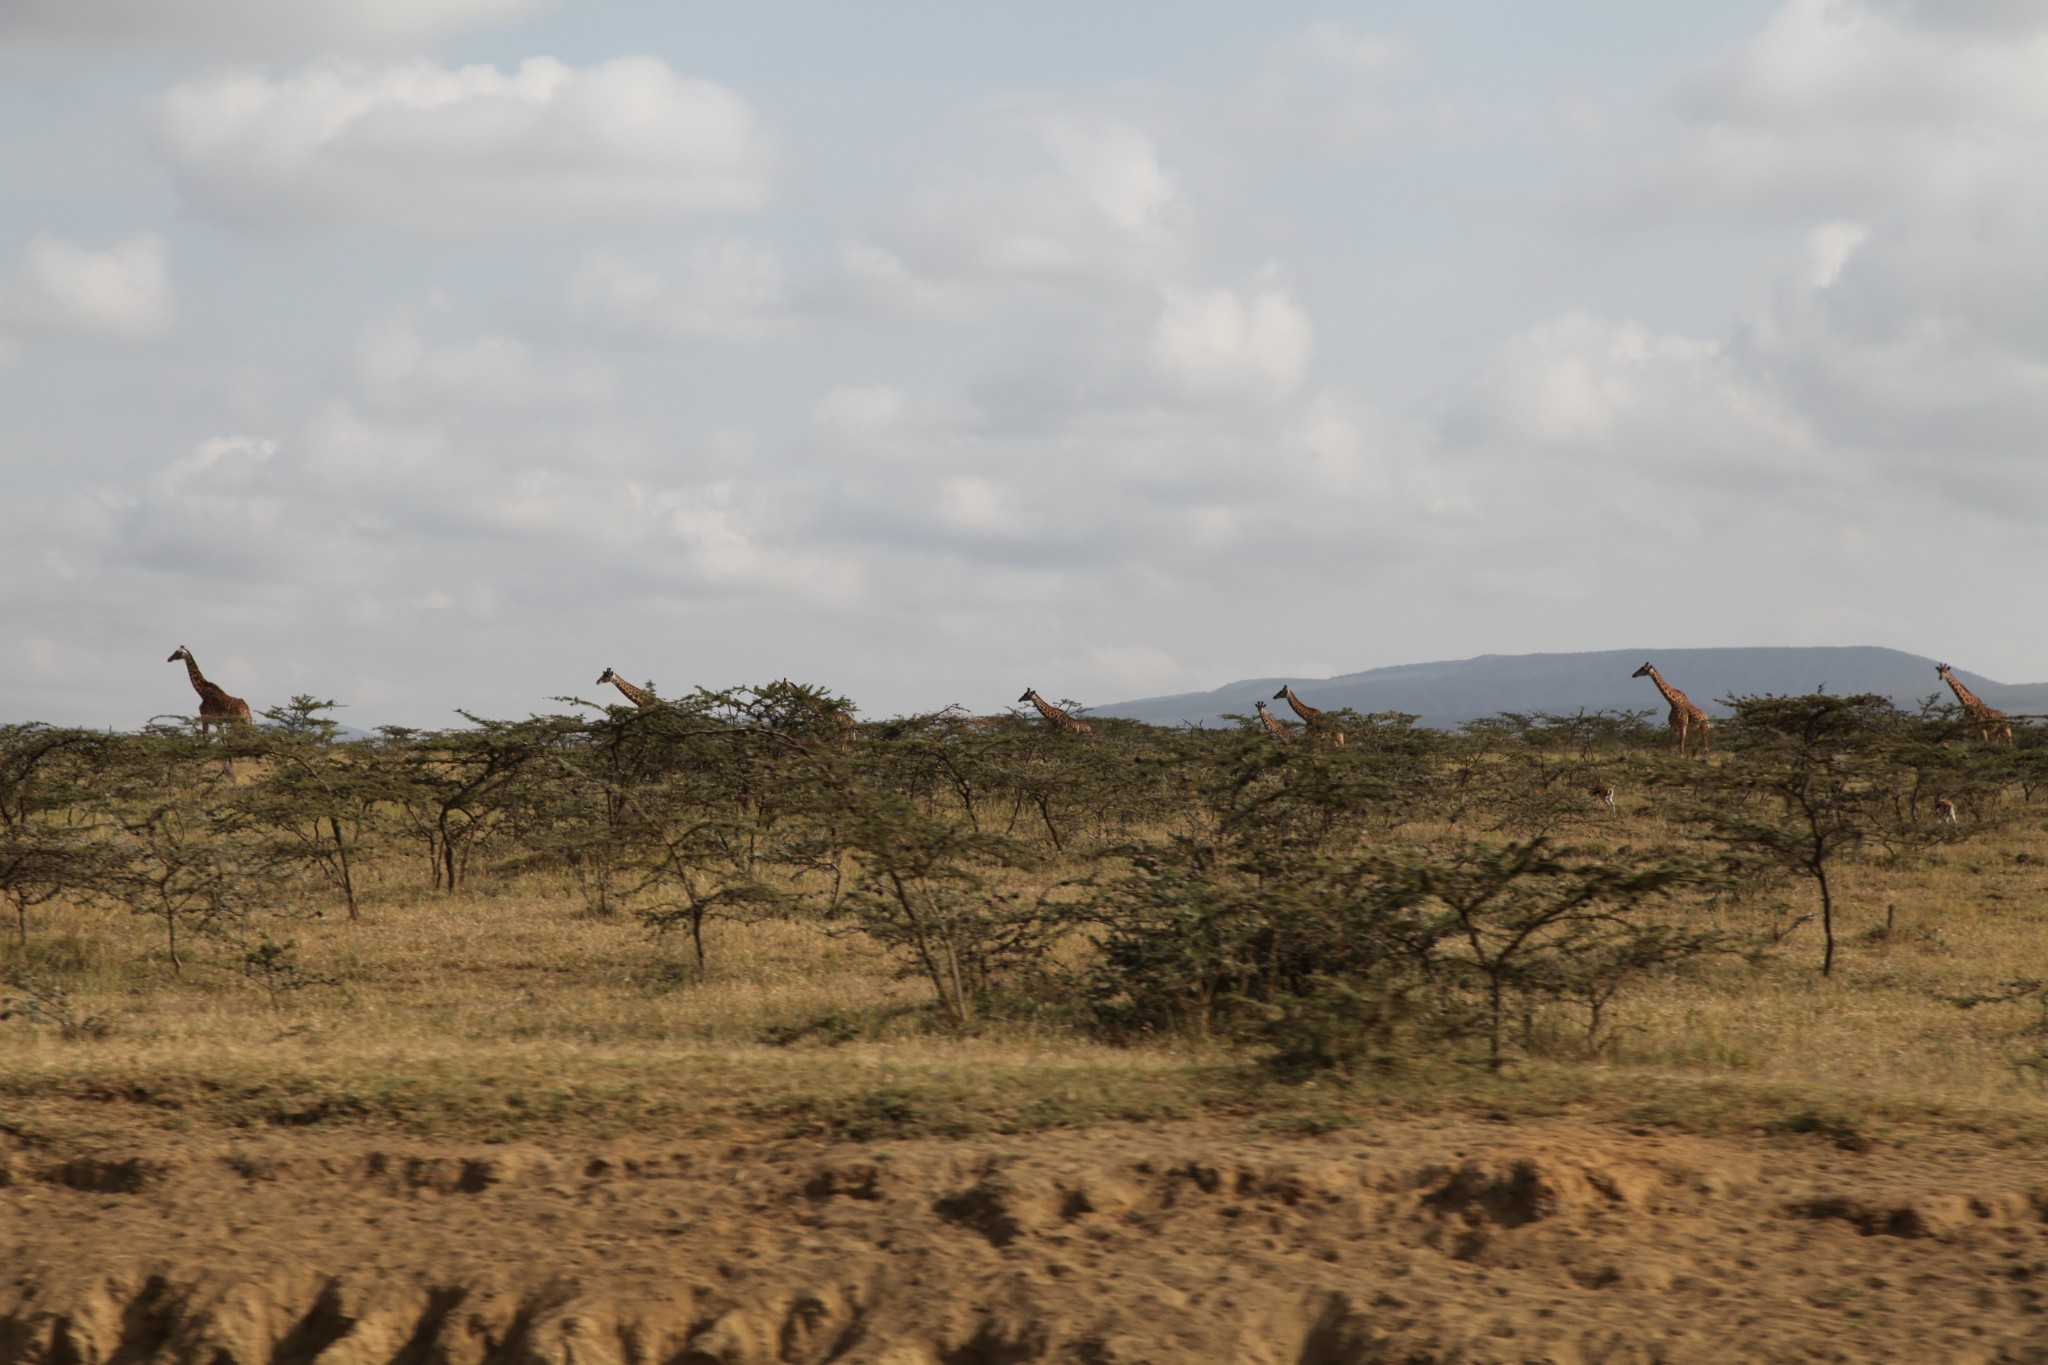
x,y
438,354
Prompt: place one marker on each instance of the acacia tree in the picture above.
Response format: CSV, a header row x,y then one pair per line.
x,y
718,803
181,847
1941,757
318,794
45,850
1331,957
456,787
684,850
925,887
1812,783
1195,942
1528,919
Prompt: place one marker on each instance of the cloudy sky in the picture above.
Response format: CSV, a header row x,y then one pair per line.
x,y
438,353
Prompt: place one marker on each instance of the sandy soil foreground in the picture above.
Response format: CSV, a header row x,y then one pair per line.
x,y
1410,1241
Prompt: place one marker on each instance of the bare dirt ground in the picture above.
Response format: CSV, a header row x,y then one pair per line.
x,y
1410,1240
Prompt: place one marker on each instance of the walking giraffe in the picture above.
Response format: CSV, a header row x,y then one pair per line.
x,y
1990,719
1311,716
217,710
639,696
1685,717
1057,718
1272,724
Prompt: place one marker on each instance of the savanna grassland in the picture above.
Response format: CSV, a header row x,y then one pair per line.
x,y
1766,1017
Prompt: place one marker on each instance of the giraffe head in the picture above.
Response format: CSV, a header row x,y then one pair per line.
x,y
1643,672
1259,705
1278,695
180,653
1941,670
607,676
1029,693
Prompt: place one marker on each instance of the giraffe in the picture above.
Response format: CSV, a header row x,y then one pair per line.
x,y
1273,725
1944,810
1311,716
1057,718
1603,792
1685,717
639,696
1990,720
217,710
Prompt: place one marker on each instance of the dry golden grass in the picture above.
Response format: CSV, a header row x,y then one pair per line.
x,y
515,1012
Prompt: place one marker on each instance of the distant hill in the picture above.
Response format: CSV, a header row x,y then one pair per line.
x,y
1455,691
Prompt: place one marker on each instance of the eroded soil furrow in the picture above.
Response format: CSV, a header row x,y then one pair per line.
x,y
1416,1240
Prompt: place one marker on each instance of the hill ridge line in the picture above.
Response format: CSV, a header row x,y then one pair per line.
x,y
1447,692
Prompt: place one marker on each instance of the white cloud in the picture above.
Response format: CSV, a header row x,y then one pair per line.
x,y
1347,49
1851,106
1595,397
1124,439
1921,343
247,26
218,464
1229,344
376,510
888,420
1100,209
1327,88
859,412
420,148
1906,332
726,290
1828,249
1132,489
882,279
1891,374
1584,116
1116,171
398,368
62,289
1134,670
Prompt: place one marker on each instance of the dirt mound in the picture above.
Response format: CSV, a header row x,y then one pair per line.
x,y
1414,1241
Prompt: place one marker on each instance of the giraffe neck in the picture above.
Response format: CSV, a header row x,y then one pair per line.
x,y
1301,708
1049,711
1970,700
639,696
199,682
1678,699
